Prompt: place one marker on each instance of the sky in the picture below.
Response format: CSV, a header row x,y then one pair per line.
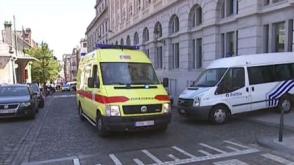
x,y
60,23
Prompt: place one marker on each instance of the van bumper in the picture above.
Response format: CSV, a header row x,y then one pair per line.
x,y
195,112
119,124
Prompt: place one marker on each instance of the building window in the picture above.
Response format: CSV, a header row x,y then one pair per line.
x,y
290,36
175,60
228,7
266,38
158,58
136,39
147,52
145,34
157,30
197,53
229,44
121,41
279,37
174,24
128,40
195,16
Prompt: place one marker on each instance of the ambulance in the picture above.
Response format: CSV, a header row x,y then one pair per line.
x,y
240,84
118,90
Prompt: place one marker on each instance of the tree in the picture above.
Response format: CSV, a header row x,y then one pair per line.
x,y
47,67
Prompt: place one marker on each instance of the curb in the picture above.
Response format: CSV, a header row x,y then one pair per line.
x,y
286,127
268,142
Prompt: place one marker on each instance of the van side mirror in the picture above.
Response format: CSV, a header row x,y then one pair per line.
x,y
90,82
96,84
165,82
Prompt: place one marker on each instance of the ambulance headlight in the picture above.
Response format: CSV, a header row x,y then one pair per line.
x,y
166,108
112,110
196,102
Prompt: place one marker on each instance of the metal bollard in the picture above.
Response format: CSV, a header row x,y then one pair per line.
x,y
281,129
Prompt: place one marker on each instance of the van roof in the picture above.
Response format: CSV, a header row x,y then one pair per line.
x,y
117,55
255,59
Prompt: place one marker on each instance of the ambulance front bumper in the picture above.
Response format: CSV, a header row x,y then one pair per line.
x,y
136,123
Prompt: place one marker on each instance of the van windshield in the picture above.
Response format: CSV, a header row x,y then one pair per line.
x,y
210,77
128,74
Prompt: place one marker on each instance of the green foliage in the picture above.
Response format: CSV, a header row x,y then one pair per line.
x,y
47,68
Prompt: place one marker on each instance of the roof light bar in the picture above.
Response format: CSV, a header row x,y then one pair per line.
x,y
105,46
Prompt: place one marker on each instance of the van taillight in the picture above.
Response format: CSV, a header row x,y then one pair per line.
x,y
162,98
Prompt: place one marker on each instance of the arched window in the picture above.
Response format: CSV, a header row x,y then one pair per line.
x,y
122,41
174,24
145,34
195,16
157,30
128,40
136,39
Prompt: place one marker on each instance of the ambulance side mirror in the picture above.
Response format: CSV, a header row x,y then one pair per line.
x,y
90,82
165,82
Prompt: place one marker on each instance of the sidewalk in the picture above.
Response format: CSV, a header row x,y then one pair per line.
x,y
273,119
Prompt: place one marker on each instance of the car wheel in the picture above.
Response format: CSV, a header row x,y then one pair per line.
x,y
100,126
219,114
285,104
81,113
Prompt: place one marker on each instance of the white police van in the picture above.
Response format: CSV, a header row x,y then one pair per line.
x,y
240,84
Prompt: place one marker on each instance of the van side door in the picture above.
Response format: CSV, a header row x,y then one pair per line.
x,y
95,91
233,87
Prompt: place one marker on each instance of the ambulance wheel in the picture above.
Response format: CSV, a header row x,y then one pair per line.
x,y
219,114
81,113
285,104
100,126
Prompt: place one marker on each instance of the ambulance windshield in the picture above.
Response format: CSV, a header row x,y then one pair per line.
x,y
210,77
119,73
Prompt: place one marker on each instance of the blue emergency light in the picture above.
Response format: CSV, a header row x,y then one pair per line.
x,y
105,46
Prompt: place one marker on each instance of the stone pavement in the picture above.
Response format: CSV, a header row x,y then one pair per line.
x,y
273,119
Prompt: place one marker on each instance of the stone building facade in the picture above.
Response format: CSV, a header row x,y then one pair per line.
x,y
98,29
15,65
182,37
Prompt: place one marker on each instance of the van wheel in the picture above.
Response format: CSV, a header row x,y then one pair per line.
x,y
81,113
285,104
219,114
100,126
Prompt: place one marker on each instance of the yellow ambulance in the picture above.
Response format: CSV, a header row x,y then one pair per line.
x,y
118,90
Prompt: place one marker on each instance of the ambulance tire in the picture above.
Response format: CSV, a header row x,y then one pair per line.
x,y
285,103
219,114
81,113
102,132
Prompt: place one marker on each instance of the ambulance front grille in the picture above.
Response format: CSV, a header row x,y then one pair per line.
x,y
141,109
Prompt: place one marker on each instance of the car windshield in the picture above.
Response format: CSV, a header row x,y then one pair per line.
x,y
128,74
210,77
13,91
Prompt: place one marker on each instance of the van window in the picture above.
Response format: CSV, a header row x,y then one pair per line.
x,y
87,74
292,71
210,77
261,74
95,76
232,81
283,72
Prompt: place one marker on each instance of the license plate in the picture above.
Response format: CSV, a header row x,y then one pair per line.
x,y
7,111
144,123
